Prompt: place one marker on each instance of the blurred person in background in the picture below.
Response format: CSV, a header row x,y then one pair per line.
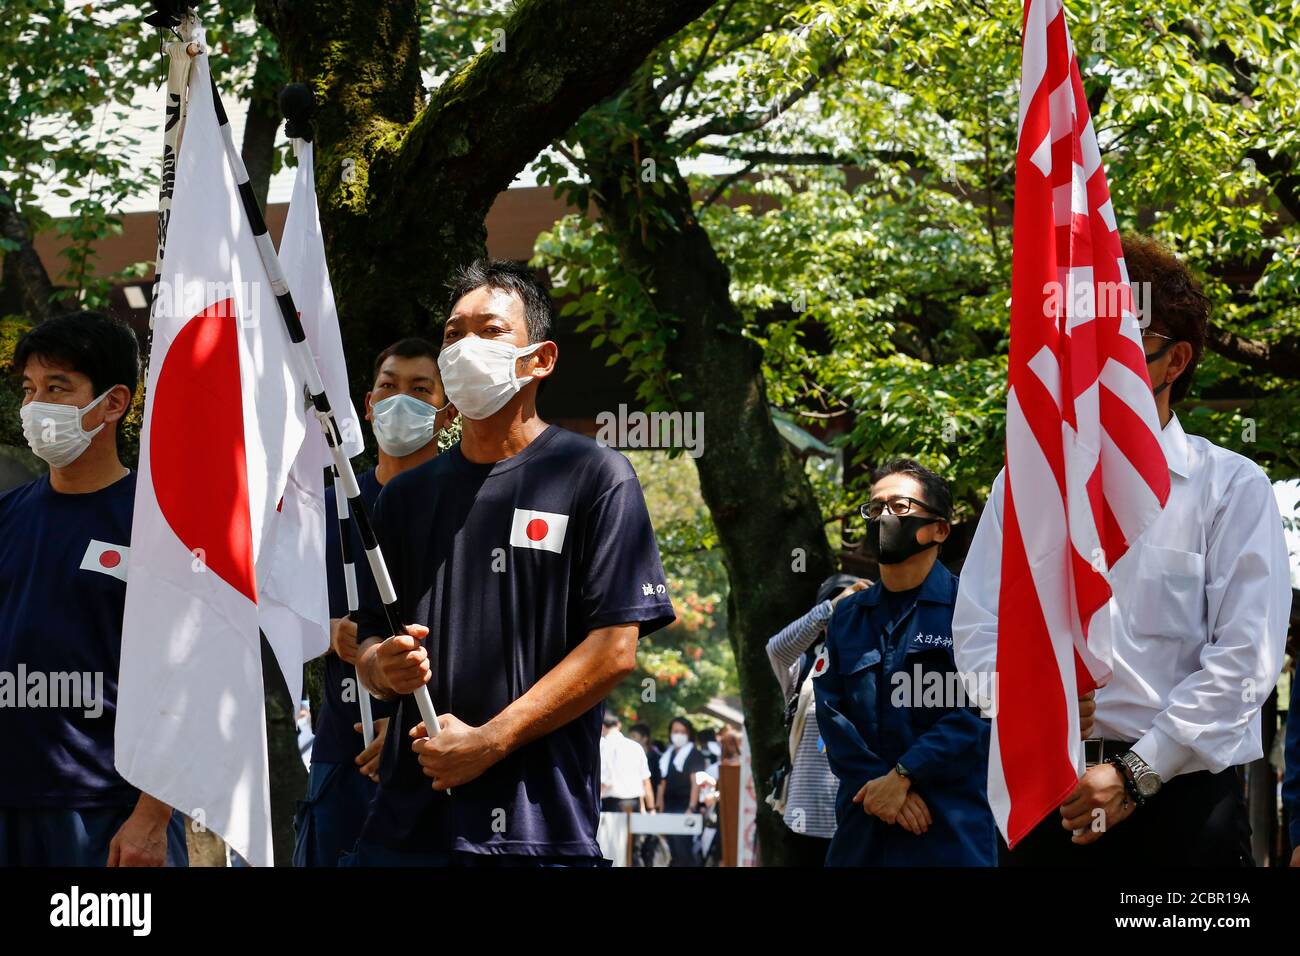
x,y
678,790
804,787
624,771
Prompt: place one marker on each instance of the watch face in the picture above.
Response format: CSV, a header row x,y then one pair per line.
x,y
1148,784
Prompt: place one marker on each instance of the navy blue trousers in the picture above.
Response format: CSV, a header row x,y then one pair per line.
x,y
329,821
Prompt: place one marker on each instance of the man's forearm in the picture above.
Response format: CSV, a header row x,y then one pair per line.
x,y
581,680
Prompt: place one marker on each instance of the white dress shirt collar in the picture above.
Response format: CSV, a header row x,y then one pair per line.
x,y
1174,442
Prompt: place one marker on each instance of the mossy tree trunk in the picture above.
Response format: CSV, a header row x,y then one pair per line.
x,y
405,183
758,495
25,286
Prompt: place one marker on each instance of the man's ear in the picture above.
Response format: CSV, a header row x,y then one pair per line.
x,y
1180,356
369,407
942,530
542,362
116,404
445,418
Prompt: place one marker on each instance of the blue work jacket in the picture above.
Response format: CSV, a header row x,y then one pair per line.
x,y
885,697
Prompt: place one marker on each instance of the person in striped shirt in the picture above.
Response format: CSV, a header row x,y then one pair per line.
x,y
805,795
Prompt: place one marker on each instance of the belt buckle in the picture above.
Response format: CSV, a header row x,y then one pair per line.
x,y
1094,751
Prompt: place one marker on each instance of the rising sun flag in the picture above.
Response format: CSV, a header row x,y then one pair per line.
x,y
1085,473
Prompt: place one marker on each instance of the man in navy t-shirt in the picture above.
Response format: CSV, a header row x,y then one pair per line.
x,y
526,569
64,547
406,408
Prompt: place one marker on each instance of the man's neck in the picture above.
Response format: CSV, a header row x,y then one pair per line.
x,y
911,573
95,468
1164,411
390,467
504,434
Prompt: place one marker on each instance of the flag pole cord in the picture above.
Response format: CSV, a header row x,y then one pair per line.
x,y
310,374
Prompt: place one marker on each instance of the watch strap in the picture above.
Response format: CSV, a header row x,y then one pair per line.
x,y
1130,783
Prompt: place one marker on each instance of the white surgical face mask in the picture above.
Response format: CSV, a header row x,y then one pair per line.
x,y
54,431
403,424
679,740
479,375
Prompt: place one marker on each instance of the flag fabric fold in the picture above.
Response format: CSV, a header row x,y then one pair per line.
x,y
1085,472
223,422
294,596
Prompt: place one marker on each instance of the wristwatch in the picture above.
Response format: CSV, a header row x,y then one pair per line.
x,y
902,771
1142,782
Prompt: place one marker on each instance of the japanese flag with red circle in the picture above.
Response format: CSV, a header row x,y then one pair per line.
x,y
224,419
106,558
541,530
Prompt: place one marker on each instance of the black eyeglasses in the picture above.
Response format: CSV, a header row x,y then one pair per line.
x,y
897,505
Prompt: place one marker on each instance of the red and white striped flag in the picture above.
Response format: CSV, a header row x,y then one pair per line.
x,y
1085,470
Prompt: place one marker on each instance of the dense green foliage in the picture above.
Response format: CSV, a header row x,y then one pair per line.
x,y
869,241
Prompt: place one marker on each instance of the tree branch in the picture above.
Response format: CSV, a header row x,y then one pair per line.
x,y
749,122
1280,358
771,157
672,83
697,67
485,124
723,186
1283,176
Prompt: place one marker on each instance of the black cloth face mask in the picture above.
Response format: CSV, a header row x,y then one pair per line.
x,y
893,537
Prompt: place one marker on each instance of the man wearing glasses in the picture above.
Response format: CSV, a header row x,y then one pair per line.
x,y
909,749
1205,595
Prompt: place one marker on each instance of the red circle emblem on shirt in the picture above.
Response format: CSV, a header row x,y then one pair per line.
x,y
820,665
536,529
110,559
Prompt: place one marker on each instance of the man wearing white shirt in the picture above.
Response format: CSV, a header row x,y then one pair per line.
x,y
1205,595
624,771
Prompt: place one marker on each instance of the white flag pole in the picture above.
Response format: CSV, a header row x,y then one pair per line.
x,y
350,585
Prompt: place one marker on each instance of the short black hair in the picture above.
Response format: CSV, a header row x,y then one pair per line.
x,y
611,720
690,727
103,349
937,493
1178,306
640,728
412,347
508,276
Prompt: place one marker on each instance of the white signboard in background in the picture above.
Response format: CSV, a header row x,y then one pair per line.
x,y
747,851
